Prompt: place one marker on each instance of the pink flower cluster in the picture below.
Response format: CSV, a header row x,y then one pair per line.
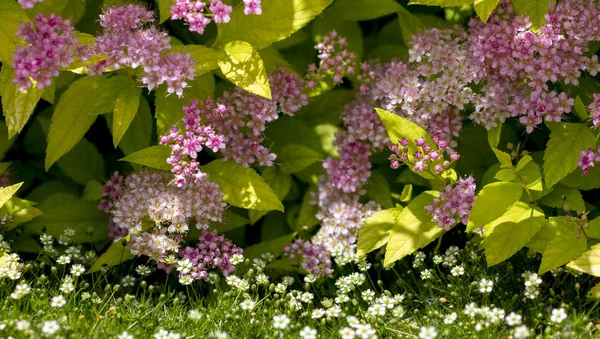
x,y
587,160
335,60
211,253
516,65
595,110
351,171
196,14
314,258
454,204
196,135
422,159
129,40
157,214
111,192
26,4
50,45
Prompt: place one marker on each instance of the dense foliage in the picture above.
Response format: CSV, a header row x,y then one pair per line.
x,y
205,139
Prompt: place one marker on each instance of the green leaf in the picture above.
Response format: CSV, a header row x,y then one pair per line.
x,y
484,8
21,210
594,292
511,232
307,217
567,140
279,19
68,9
359,10
93,191
588,262
580,108
139,133
503,157
4,166
107,93
505,175
5,143
409,25
115,254
242,187
280,182
583,182
378,190
7,192
164,10
169,107
442,3
273,246
534,9
126,108
294,158
62,210
492,202
289,130
543,237
564,247
413,229
72,117
153,157
17,106
11,16
562,196
494,136
83,163
376,230
230,222
530,174
206,58
242,65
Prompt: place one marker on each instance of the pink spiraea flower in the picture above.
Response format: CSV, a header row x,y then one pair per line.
x,y
314,258
454,204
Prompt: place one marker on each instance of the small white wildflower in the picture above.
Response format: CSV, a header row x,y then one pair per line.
x,y
485,285
77,270
281,321
419,259
220,335
186,279
428,332
333,312
368,295
58,301
287,280
521,332
128,281
21,290
67,286
457,271
307,297
247,304
398,312
64,259
514,319
50,327
317,313
347,333
143,270
194,315
437,259
365,331
280,288
342,298
425,274
308,333
236,259
184,266
124,335
450,318
377,310
558,315
22,325
262,279
309,279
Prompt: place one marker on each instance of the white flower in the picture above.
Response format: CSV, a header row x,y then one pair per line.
x,y
67,286
21,290
22,325
457,271
342,298
194,315
220,335
368,295
64,259
58,301
437,259
247,305
186,279
308,333
558,315
280,288
309,279
262,279
77,270
317,313
428,332
124,335
514,319
450,318
376,310
398,312
128,281
365,331
521,332
485,285
50,327
164,334
307,297
426,274
347,333
143,270
184,266
281,321
236,259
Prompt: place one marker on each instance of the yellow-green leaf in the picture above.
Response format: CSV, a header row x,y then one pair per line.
x,y
294,158
580,108
484,8
242,65
206,58
442,3
17,106
534,9
115,254
588,262
152,157
7,192
359,10
164,10
11,16
378,189
72,117
376,229
126,108
563,197
413,229
564,247
492,202
83,163
273,246
279,19
279,181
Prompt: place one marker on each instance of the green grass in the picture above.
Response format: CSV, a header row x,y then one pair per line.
x,y
100,307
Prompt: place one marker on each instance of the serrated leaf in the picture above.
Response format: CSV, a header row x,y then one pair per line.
x,y
242,187
413,229
294,158
562,196
279,19
72,117
442,3
484,8
152,157
273,246
62,210
164,10
139,133
17,106
530,174
378,190
107,93
115,254
230,222
83,163
567,140
5,142
492,202
588,262
534,9
126,108
11,16
511,232
494,136
93,191
564,247
206,58
544,236
280,182
242,65
580,108
505,175
376,229
68,9
7,192
359,10
503,157
409,25
307,217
